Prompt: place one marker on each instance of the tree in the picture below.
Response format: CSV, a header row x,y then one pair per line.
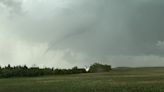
x,y
96,67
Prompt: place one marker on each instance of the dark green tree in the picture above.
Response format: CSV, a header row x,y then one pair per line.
x,y
96,67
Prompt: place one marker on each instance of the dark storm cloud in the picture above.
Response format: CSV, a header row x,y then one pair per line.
x,y
124,27
118,31
147,26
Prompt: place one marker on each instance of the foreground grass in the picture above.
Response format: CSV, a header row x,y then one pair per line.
x,y
118,80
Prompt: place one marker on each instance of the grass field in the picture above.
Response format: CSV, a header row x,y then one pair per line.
x,y
118,80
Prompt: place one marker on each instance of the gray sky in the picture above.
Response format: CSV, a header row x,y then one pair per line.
x,y
65,33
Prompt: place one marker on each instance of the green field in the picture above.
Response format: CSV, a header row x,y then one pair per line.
x,y
118,80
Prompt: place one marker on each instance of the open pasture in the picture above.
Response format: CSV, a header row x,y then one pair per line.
x,y
118,80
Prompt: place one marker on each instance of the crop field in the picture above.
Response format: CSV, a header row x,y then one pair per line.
x,y
118,80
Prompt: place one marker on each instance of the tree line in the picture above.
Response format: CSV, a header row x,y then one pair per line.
x,y
24,71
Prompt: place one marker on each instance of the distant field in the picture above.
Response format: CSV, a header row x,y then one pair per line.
x,y
118,80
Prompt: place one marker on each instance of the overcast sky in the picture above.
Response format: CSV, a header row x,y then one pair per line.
x,y
65,33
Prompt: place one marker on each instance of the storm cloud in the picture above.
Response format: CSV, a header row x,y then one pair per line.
x,y
62,33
